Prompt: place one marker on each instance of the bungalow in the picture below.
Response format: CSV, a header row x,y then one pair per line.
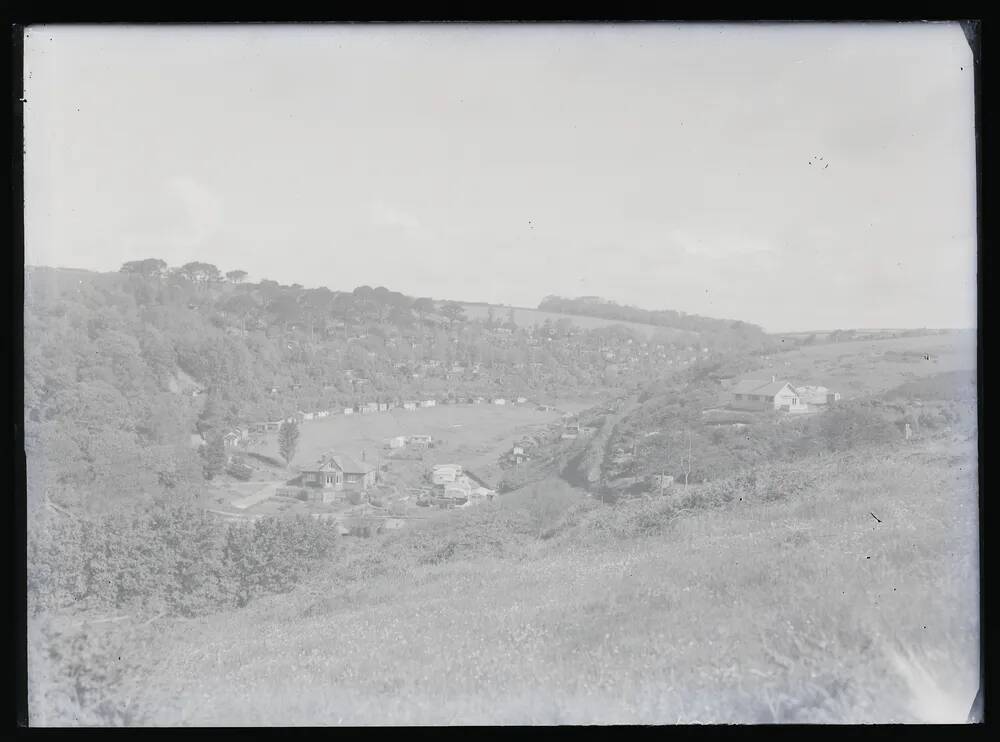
x,y
339,472
368,408
760,395
409,405
428,403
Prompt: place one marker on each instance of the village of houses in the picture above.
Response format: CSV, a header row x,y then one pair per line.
x,y
363,484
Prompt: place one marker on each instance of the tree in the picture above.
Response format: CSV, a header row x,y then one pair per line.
x,y
288,440
423,306
198,272
149,268
214,455
236,276
454,311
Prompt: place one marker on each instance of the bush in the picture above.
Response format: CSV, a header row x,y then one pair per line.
x,y
174,560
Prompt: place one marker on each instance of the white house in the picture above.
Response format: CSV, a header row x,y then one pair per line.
x,y
760,395
428,403
500,401
409,405
348,410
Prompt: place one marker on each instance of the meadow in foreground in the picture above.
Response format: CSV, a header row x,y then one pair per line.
x,y
853,598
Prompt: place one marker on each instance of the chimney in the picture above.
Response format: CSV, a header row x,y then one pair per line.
x,y
773,379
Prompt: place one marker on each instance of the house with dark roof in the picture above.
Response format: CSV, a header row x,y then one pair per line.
x,y
339,472
764,395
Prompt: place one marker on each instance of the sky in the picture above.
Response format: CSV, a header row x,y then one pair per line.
x,y
799,177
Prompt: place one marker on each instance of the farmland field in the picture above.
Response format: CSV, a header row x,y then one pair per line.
x,y
529,317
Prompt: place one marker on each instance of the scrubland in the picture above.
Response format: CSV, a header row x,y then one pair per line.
x,y
840,588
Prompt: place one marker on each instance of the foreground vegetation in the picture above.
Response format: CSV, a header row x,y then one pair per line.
x,y
841,588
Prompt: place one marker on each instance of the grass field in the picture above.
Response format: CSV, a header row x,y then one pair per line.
x,y
861,368
801,609
471,435
525,317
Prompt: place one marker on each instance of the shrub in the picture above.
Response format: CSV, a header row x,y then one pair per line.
x,y
174,559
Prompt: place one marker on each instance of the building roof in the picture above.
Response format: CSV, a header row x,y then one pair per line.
x,y
343,462
758,386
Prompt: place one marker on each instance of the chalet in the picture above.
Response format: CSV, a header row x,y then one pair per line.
x,y
761,395
339,472
271,426
234,437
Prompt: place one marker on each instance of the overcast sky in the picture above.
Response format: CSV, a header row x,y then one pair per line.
x,y
797,177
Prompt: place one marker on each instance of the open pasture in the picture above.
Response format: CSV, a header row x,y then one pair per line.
x,y
860,368
472,435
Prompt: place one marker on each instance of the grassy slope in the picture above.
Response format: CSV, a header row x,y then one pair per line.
x,y
859,368
805,609
524,316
